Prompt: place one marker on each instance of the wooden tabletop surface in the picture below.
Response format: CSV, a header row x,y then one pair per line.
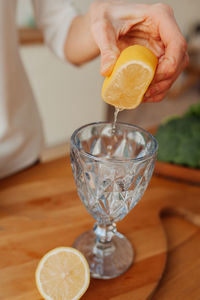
x,y
40,210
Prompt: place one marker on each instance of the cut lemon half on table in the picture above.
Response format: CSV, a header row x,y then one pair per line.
x,y
130,78
62,273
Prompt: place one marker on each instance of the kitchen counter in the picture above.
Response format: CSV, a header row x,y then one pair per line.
x,y
40,210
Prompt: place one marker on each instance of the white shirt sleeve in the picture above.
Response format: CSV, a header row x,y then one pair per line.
x,y
54,17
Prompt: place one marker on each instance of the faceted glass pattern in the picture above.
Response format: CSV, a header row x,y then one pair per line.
x,y
111,170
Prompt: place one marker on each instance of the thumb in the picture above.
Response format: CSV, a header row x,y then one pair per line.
x,y
108,60
105,38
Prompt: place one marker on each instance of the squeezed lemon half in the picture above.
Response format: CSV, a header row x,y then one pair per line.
x,y
130,78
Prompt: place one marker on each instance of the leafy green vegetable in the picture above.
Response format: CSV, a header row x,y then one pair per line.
x,y
179,139
194,110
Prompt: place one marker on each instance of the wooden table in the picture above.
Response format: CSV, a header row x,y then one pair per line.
x,y
40,210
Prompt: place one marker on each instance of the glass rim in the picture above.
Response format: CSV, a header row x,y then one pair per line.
x,y
115,160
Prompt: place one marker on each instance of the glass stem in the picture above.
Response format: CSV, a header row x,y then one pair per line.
x,y
104,233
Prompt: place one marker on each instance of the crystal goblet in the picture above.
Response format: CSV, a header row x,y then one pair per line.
x,y
111,171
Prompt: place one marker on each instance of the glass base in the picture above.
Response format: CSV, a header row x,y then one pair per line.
x,y
106,260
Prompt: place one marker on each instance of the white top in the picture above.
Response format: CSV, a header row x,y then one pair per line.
x,y
21,137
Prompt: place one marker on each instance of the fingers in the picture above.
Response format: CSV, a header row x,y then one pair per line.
x,y
175,58
175,47
159,89
155,98
157,31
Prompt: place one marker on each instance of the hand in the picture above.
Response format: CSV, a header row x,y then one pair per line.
x,y
116,25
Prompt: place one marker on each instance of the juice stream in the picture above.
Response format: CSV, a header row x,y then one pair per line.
x,y
117,110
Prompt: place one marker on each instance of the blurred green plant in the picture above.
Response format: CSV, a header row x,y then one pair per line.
x,y
31,22
179,139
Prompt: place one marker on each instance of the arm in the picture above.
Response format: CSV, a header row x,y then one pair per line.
x,y
65,32
80,46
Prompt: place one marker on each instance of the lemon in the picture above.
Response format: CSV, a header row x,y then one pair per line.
x,y
62,273
130,78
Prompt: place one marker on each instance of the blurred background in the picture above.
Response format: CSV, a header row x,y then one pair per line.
x,y
69,96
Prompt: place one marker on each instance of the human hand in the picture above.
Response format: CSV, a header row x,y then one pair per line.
x,y
116,25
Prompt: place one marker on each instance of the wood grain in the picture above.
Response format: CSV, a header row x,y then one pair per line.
x,y
40,210
182,272
177,172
